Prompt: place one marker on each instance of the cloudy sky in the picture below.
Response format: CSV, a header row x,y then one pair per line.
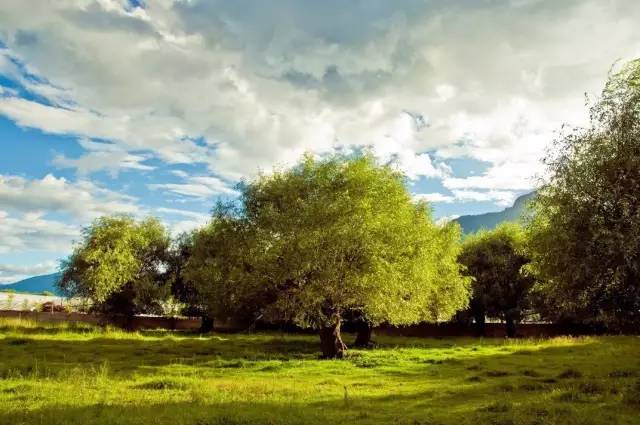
x,y
161,106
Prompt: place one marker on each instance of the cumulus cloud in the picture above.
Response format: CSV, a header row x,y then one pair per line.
x,y
499,197
205,81
27,232
47,214
10,273
434,197
189,221
82,200
102,156
201,187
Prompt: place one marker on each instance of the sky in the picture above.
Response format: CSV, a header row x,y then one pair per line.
x,y
160,107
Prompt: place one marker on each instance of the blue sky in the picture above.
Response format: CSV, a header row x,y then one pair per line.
x,y
161,107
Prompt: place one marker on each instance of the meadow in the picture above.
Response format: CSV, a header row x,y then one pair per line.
x,y
79,374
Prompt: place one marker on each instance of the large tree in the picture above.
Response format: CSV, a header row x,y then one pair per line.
x,y
585,233
496,260
335,236
120,265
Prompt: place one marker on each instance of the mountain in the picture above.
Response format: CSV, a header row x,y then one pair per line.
x,y
36,284
473,223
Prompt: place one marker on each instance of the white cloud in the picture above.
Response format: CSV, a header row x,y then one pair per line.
x,y
205,82
445,92
193,220
47,214
502,198
102,156
25,232
81,200
262,88
511,175
201,187
10,273
434,197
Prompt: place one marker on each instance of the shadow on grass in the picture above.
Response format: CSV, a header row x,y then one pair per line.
x,y
553,384
127,354
464,406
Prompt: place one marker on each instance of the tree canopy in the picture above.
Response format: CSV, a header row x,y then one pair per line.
x,y
119,265
332,236
585,231
496,261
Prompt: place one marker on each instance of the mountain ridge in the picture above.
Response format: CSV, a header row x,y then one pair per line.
x,y
488,221
35,284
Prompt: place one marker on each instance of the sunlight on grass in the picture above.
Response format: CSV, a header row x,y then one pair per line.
x,y
80,374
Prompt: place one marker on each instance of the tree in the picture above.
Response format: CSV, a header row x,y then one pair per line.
x,y
585,230
337,235
120,265
219,265
183,289
495,260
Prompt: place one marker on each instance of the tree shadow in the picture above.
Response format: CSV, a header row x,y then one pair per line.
x,y
128,354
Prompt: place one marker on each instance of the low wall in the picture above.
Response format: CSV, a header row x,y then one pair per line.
x,y
492,330
138,322
423,330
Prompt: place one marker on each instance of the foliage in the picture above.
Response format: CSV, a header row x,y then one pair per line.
x,y
219,264
495,260
585,233
120,265
175,378
183,290
342,234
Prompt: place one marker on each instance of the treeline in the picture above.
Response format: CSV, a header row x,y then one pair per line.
x,y
340,238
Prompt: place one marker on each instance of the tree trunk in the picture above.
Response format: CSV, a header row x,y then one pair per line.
x,y
206,325
363,337
511,326
479,324
331,343
129,322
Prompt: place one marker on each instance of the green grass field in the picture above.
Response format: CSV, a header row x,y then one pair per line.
x,y
83,375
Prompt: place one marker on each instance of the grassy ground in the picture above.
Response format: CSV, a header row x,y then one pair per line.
x,y
80,375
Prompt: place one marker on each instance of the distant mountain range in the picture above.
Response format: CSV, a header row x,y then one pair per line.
x,y
473,223
36,284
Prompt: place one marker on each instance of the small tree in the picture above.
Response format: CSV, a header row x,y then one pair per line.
x,y
585,233
339,235
495,261
120,265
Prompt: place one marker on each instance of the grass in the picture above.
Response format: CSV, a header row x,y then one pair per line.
x,y
66,374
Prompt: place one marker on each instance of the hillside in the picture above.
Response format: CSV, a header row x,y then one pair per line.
x,y
35,285
473,223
